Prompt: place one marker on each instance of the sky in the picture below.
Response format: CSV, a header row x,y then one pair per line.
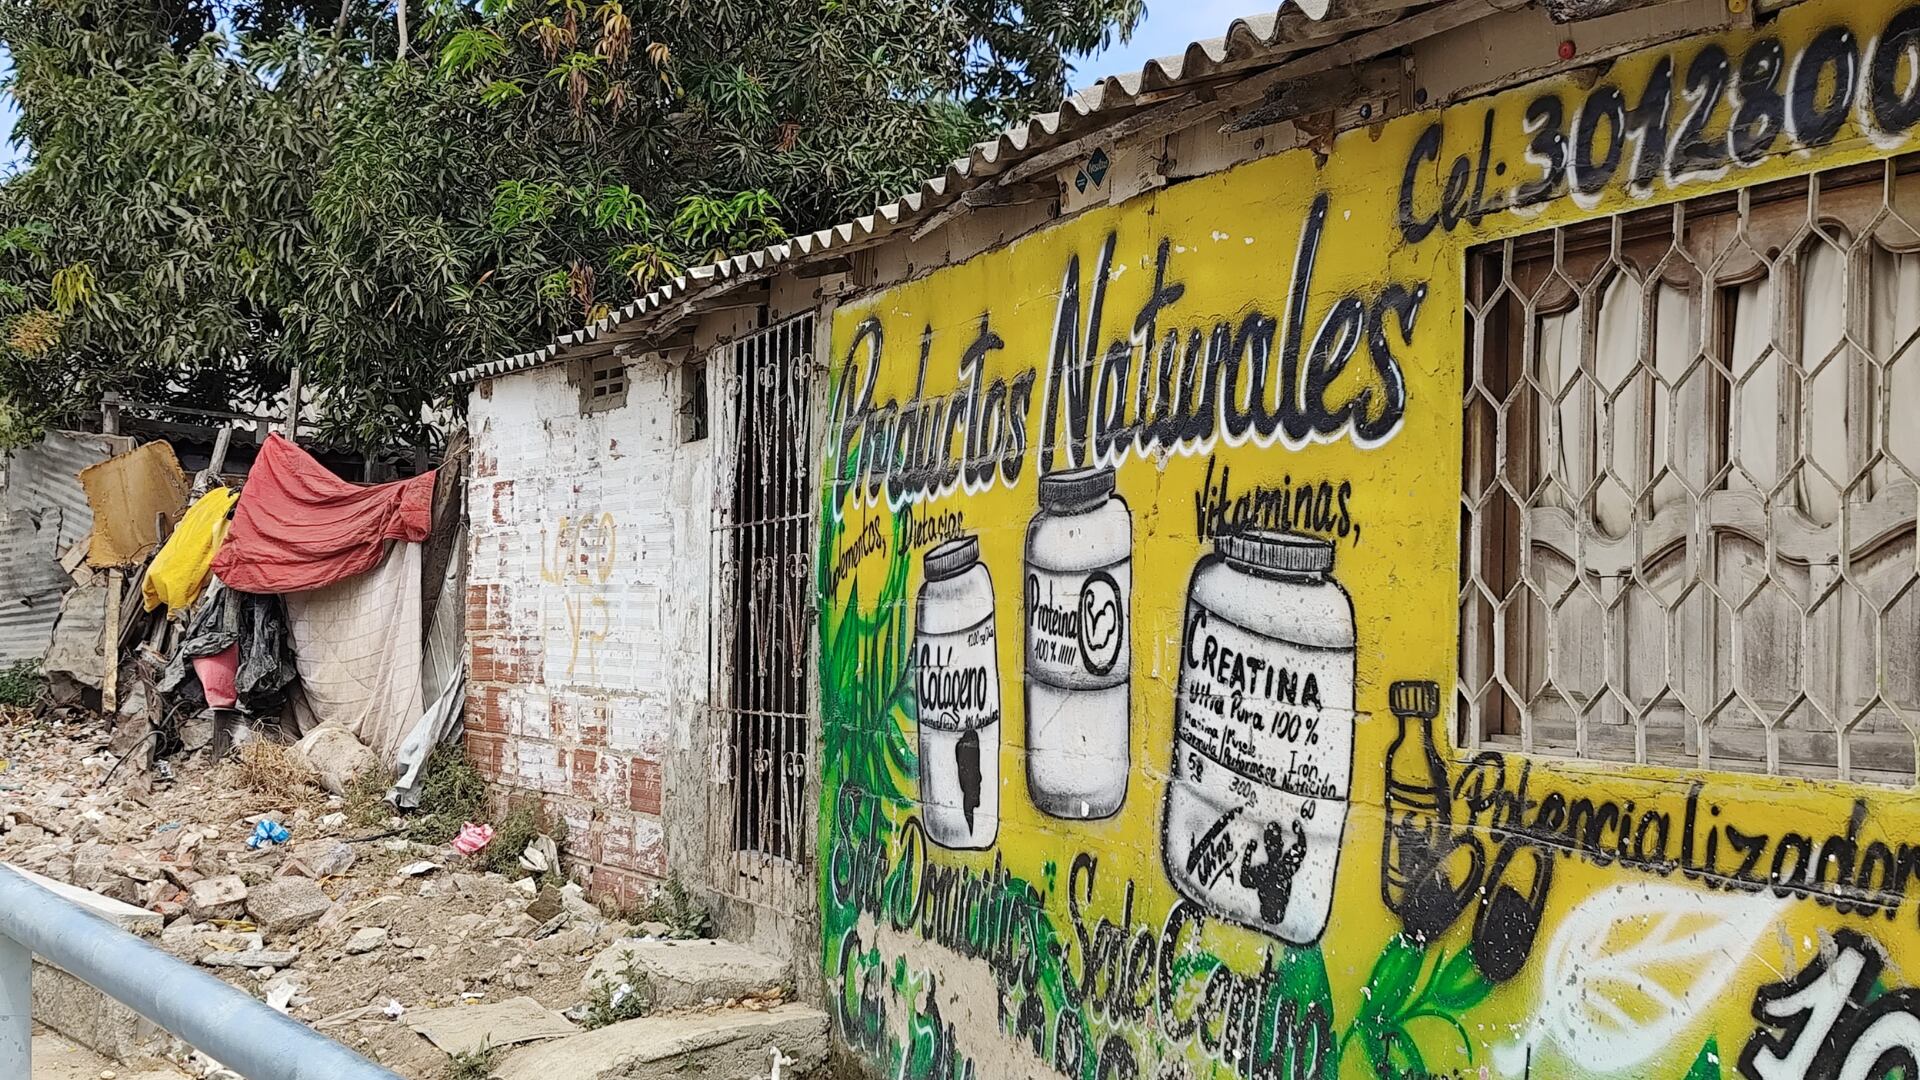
x,y
9,153
1167,28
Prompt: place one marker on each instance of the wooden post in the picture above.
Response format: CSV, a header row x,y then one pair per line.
x,y
209,477
219,459
293,406
110,690
110,413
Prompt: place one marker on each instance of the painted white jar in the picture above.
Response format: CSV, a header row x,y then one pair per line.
x,y
1079,658
956,671
1263,735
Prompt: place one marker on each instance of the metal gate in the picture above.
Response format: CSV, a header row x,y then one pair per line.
x,y
760,820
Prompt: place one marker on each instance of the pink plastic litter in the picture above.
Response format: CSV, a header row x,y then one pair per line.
x,y
472,838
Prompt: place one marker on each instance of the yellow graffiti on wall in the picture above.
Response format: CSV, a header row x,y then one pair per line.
x,y
1140,617
580,558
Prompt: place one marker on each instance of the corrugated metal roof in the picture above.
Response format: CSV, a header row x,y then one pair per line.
x,y
43,512
1248,42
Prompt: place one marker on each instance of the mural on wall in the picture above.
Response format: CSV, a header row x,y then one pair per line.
x,y
1139,589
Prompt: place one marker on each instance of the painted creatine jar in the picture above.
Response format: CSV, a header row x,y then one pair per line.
x,y
1263,735
1078,658
956,673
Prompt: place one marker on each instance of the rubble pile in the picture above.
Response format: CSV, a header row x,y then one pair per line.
x,y
349,928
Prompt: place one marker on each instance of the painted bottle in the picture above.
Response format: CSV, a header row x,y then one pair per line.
x,y
1263,735
956,673
1078,656
1427,874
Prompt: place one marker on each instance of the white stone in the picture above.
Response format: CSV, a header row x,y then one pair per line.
x,y
217,898
335,756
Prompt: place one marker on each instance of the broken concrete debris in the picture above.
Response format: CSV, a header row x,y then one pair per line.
x,y
719,1044
322,858
223,897
464,1029
682,974
287,904
328,927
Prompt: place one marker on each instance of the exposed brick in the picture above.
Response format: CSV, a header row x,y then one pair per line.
x,y
487,710
627,842
621,886
583,766
486,608
577,718
488,754
613,835
506,660
592,725
503,502
611,779
483,664
644,786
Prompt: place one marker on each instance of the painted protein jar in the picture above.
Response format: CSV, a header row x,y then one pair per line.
x,y
1263,735
1079,583
956,672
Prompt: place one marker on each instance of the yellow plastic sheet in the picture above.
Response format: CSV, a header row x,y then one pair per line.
x,y
180,570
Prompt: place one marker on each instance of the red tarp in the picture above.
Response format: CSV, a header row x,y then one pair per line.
x,y
300,527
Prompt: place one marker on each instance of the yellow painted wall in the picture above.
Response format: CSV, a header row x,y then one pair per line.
x,y
1583,919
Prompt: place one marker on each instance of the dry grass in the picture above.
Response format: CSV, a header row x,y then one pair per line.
x,y
266,767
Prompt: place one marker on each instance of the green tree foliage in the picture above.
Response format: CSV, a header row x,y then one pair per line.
x,y
216,195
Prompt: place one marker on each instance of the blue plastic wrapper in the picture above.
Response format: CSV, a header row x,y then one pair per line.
x,y
267,831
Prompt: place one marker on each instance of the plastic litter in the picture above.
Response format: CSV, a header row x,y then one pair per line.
x,y
394,1009
267,831
541,855
280,996
472,838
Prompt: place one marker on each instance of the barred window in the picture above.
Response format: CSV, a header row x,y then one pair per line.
x,y
603,384
1691,455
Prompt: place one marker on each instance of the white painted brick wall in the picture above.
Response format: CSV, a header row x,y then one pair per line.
x,y
588,600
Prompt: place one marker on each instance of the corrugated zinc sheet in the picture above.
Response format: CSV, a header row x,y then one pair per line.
x,y
1247,42
43,512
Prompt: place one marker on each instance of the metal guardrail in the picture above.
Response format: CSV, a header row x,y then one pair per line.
x,y
228,1024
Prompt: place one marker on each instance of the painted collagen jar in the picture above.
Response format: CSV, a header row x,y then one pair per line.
x,y
1263,735
1079,582
956,673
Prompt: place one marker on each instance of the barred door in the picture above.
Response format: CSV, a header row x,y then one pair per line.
x,y
760,824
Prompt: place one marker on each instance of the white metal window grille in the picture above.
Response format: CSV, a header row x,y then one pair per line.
x,y
760,825
1690,483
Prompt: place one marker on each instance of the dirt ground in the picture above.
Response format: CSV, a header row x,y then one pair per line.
x,y
453,935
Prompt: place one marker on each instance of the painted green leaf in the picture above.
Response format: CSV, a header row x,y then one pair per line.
x,y
1393,977
1707,1065
1377,1026
1457,984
